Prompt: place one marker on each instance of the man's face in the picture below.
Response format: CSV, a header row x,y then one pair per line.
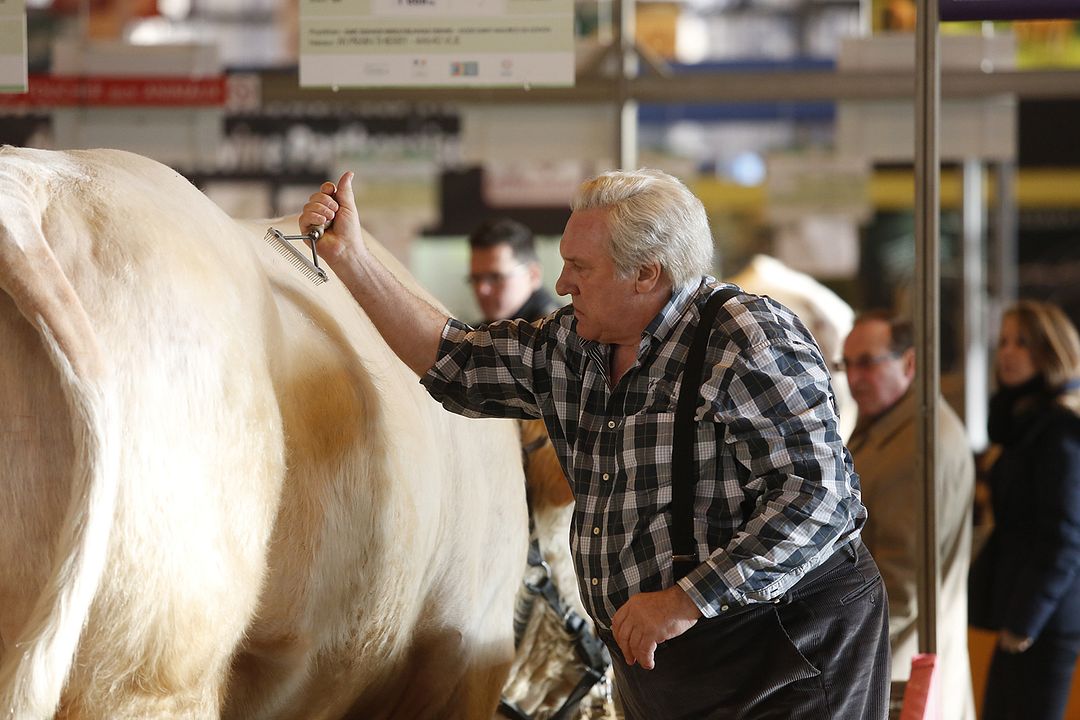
x,y
877,376
501,282
601,298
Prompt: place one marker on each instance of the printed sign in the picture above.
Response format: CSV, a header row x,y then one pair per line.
x,y
56,91
12,46
1008,9
381,43
802,184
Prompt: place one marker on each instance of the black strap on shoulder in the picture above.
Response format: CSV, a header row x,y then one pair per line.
x,y
684,557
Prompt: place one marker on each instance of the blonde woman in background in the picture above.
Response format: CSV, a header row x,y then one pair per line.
x,y
1025,584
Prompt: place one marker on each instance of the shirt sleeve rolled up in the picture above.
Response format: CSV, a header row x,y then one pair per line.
x,y
489,371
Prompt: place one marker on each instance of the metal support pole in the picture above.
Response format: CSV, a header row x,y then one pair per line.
x,y
1005,285
605,31
626,138
927,309
866,18
976,341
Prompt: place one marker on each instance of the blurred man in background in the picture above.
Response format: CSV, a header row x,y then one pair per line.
x,y
879,357
505,273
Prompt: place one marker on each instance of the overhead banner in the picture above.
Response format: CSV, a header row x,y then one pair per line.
x,y
12,46
1008,9
49,91
426,43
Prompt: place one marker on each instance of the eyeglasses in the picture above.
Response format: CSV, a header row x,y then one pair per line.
x,y
863,362
492,278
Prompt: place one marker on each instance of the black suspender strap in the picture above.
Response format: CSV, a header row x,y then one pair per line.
x,y
684,557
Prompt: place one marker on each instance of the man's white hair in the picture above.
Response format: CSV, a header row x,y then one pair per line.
x,y
652,216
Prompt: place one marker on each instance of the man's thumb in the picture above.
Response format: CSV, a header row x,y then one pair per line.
x,y
344,194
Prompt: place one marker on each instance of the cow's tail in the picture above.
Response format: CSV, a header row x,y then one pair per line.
x,y
36,668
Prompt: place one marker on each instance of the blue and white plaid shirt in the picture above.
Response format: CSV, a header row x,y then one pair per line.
x,y
776,491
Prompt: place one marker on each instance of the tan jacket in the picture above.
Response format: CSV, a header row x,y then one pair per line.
x,y
884,454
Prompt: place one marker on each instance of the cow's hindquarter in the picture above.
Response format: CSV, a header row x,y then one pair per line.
x,y
398,544
203,462
199,465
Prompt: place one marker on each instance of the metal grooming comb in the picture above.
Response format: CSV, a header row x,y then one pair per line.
x,y
282,243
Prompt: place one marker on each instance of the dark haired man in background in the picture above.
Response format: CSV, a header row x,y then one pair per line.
x,y
505,274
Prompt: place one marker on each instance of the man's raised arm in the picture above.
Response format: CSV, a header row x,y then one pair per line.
x,y
410,325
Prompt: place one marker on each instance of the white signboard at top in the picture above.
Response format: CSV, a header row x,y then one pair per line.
x,y
418,43
13,46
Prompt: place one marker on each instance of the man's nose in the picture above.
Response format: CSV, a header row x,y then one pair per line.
x,y
856,373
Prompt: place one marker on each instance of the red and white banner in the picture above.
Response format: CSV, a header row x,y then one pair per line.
x,y
63,91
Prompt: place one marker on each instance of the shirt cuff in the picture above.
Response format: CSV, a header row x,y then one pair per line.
x,y
709,592
453,334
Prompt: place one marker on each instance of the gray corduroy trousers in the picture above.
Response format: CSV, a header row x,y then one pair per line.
x,y
819,653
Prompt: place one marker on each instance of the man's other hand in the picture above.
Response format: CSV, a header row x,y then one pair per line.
x,y
648,619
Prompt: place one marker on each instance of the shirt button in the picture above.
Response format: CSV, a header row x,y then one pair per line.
x,y
723,608
611,423
596,531
606,476
595,581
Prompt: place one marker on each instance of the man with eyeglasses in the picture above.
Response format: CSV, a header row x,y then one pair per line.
x,y
879,357
504,272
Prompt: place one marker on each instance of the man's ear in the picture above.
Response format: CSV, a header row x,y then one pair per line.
x,y
908,359
536,275
649,277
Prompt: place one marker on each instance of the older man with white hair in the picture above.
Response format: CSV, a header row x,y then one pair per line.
x,y
717,518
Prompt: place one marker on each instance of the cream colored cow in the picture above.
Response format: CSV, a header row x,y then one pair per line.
x,y
220,493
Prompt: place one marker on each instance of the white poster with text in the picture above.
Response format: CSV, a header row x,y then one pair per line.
x,y
428,43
